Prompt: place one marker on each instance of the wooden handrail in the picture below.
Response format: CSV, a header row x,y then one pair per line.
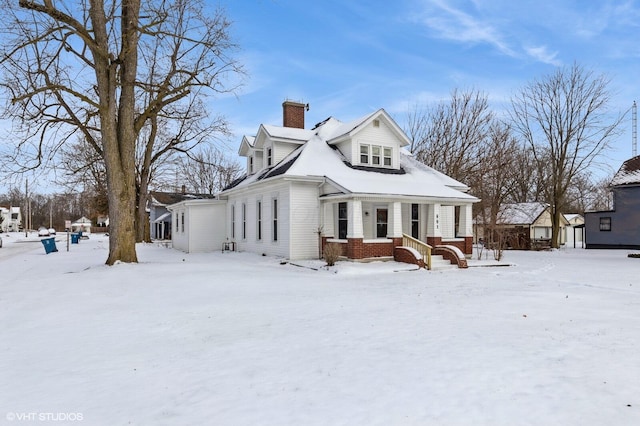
x,y
423,248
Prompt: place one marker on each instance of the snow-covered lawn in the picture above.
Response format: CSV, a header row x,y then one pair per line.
x,y
241,339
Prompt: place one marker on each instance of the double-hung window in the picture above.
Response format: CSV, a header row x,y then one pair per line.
x,y
259,220
244,221
387,156
269,157
343,221
376,155
275,219
605,223
364,154
233,221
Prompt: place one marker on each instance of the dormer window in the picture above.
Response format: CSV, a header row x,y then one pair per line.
x,y
269,158
364,154
387,156
376,155
251,164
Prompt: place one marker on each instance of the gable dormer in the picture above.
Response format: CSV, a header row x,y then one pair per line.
x,y
371,141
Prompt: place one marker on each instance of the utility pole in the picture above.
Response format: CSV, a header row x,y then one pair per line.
x,y
26,207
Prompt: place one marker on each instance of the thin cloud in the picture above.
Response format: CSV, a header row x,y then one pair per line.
x,y
457,25
540,53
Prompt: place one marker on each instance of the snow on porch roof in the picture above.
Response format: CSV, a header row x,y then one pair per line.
x,y
162,217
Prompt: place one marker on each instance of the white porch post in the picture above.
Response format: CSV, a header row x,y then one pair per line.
x,y
394,227
465,225
327,220
433,221
354,224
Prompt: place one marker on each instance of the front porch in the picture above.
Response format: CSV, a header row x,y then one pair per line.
x,y
369,228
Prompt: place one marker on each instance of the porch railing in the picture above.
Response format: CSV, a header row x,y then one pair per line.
x,y
421,247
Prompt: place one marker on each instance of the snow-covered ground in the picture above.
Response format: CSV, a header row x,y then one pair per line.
x,y
241,339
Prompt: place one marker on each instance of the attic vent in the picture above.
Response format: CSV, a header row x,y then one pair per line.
x,y
376,123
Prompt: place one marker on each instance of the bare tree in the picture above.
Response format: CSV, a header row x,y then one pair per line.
x,y
451,137
209,171
564,118
73,69
493,181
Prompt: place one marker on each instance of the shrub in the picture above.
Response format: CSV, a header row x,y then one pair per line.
x,y
332,252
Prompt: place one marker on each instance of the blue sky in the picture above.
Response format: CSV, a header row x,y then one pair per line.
x,y
348,58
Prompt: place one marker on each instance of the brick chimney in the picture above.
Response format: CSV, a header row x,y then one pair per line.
x,y
293,114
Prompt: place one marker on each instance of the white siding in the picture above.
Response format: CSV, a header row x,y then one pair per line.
x,y
179,239
266,244
447,222
382,136
305,221
206,224
282,149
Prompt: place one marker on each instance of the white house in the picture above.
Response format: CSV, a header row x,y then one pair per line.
x,y
525,225
11,219
352,183
198,225
82,225
574,230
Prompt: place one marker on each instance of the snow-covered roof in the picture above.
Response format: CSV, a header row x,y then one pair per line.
x,y
521,213
629,173
318,159
572,216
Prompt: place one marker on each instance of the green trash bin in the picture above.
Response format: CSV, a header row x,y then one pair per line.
x,y
75,237
49,245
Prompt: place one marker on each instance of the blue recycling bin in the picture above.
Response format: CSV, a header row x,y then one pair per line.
x,y
49,245
75,237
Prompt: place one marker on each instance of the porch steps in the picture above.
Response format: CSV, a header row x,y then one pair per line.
x,y
439,263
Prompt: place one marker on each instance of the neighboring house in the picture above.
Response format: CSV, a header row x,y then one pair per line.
x,y
82,225
11,219
620,227
574,230
525,225
159,216
352,184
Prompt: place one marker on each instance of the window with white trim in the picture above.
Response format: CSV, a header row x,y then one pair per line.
x,y
269,157
364,154
250,164
259,220
343,220
274,206
386,156
376,155
182,221
233,221
244,221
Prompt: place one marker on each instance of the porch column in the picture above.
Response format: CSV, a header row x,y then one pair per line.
x,y
328,227
434,233
354,225
465,228
465,225
394,227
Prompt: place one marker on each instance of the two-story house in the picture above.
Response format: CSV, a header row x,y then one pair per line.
x,y
11,219
353,184
620,227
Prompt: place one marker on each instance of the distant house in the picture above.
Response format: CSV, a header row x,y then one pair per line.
x,y
574,230
349,183
82,225
11,219
160,217
525,225
620,227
